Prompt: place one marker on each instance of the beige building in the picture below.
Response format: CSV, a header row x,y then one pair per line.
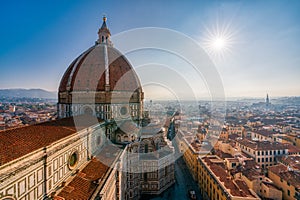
x,y
191,147
262,135
216,182
265,153
81,155
286,179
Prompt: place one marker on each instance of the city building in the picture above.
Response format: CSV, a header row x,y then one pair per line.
x,y
37,161
287,179
216,182
82,154
148,165
191,147
262,135
265,153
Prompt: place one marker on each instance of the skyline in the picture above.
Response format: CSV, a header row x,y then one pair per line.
x,y
41,39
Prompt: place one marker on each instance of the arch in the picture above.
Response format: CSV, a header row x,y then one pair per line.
x,y
118,138
87,110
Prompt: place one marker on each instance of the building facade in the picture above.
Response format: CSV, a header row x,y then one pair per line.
x,y
265,153
82,154
47,155
148,165
216,183
286,179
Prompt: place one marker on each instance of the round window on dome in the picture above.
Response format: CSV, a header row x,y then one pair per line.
x,y
73,160
123,110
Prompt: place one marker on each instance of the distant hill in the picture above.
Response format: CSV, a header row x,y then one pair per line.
x,y
29,93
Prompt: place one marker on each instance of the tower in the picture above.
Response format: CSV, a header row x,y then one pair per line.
x,y
267,101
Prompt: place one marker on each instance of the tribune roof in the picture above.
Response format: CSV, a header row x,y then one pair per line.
x,y
17,142
85,183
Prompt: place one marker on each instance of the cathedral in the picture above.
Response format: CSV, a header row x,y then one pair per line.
x,y
97,148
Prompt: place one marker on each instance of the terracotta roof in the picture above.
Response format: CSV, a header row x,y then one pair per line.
x,y
18,142
87,72
236,187
292,149
291,160
292,177
233,136
223,155
265,133
261,145
251,174
84,184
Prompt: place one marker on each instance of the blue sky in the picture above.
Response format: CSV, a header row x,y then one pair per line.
x,y
39,39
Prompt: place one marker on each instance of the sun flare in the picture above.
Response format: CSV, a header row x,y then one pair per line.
x,y
219,43
218,40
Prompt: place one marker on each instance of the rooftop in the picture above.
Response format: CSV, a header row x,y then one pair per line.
x,y
261,145
84,184
234,187
18,142
265,133
290,176
291,160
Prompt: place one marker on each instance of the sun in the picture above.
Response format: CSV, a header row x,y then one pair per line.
x,y
218,41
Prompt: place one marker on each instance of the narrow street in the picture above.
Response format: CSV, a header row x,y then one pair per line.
x,y
184,182
183,179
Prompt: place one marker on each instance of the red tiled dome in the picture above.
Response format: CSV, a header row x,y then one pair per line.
x,y
87,72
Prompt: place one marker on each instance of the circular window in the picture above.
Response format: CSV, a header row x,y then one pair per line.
x,y
73,160
88,111
7,198
123,110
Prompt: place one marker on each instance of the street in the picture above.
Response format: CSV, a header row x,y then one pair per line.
x,y
183,179
184,182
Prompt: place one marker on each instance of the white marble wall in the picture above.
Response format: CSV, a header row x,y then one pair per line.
x,y
26,178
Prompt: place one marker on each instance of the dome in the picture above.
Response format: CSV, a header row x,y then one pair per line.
x,y
87,72
102,82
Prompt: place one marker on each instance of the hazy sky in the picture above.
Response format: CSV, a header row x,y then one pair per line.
x,y
261,53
